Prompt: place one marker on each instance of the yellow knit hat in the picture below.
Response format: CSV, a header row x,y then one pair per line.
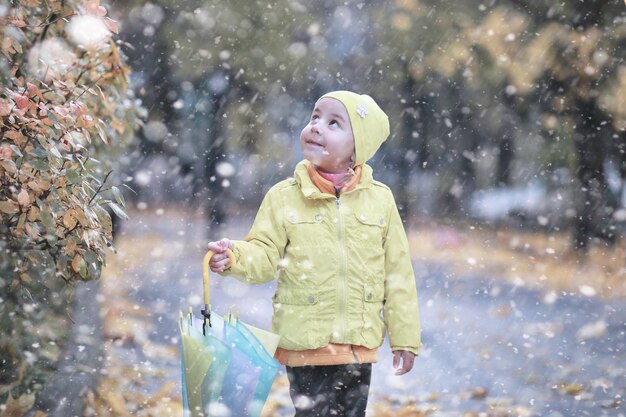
x,y
370,125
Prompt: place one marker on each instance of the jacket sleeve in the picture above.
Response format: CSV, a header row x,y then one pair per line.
x,y
401,312
259,254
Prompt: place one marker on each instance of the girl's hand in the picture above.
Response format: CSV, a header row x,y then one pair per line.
x,y
407,358
219,261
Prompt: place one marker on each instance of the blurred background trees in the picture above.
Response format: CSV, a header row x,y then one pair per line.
x,y
507,112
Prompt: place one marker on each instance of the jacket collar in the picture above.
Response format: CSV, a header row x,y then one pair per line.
x,y
309,190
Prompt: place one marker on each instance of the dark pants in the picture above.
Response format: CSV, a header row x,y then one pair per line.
x,y
329,391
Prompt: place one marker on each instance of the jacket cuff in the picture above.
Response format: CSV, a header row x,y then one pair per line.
x,y
414,350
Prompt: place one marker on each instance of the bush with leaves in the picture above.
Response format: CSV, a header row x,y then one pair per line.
x,y
66,117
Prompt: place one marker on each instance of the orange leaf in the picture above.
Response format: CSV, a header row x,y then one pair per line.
x,y
18,23
31,231
7,46
9,166
33,89
23,198
69,221
47,121
20,101
76,108
9,207
39,185
70,248
93,7
77,262
5,108
17,137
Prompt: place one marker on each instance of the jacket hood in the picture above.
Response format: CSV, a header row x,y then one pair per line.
x,y
370,124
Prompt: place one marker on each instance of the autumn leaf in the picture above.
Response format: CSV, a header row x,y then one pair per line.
x,y
32,230
77,108
9,166
93,7
117,402
9,207
112,25
7,46
17,407
570,388
33,214
78,263
102,135
17,23
34,90
5,108
69,221
23,198
20,100
39,185
5,152
70,248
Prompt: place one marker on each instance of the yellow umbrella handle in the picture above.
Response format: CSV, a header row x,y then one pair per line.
x,y
205,270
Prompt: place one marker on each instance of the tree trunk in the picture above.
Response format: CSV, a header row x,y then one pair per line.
x,y
217,149
591,217
506,143
406,154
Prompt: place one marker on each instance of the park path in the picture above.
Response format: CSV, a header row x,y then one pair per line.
x,y
491,349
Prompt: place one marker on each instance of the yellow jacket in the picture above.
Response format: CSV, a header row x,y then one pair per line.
x,y
339,262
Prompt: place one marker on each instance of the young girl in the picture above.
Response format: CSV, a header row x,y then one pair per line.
x,y
333,239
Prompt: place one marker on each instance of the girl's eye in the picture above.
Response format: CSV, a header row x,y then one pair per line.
x,y
315,117
334,122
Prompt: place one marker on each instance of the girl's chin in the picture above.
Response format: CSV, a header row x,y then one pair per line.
x,y
320,166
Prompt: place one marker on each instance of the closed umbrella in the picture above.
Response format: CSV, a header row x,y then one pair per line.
x,y
227,367
205,361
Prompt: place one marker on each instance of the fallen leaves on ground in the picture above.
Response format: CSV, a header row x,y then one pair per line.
x,y
524,258
133,383
17,407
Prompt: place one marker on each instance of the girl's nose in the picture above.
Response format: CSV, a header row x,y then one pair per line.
x,y
315,129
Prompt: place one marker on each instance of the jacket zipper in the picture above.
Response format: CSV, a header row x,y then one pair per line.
x,y
341,316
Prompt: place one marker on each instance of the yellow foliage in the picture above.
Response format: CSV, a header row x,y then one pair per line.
x,y
17,407
537,260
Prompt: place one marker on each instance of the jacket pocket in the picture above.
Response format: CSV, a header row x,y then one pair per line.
x,y
372,326
370,219
295,314
305,229
368,230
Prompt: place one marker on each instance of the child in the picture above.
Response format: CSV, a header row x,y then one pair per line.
x,y
333,238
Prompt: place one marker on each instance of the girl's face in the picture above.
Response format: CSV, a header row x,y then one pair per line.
x,y
327,140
